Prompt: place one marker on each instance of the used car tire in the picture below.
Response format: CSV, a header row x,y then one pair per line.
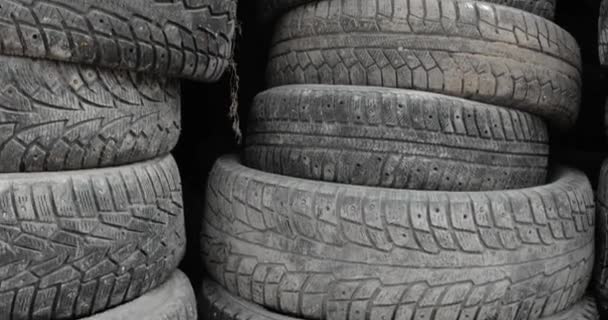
x,y
603,33
463,48
76,243
59,116
600,281
394,138
173,300
219,304
319,250
270,9
184,38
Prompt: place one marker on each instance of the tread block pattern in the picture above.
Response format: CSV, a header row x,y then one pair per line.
x,y
600,281
394,138
269,9
79,242
56,116
603,33
384,220
475,50
174,300
218,303
179,38
327,251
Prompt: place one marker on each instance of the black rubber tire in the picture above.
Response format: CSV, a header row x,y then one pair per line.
x,y
179,38
479,51
394,138
58,116
270,9
219,304
603,33
600,281
79,242
320,250
173,300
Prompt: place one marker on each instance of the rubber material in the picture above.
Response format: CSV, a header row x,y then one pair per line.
x,y
179,38
394,138
173,300
57,116
76,243
270,9
600,281
221,305
479,51
603,33
320,250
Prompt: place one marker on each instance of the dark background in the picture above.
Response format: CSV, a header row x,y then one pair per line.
x,y
207,129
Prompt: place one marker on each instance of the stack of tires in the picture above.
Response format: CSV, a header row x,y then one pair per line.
x,y
601,270
398,169
91,214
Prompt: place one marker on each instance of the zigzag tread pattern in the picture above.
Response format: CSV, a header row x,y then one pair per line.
x,y
462,55
384,220
185,38
80,242
174,300
219,304
394,138
57,116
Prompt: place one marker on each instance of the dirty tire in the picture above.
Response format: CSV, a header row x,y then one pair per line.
x,y
603,33
394,138
58,116
600,281
173,300
271,9
183,38
79,242
219,304
462,48
321,250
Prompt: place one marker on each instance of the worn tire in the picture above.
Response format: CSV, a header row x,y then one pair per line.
x,y
58,116
394,138
270,9
219,304
320,250
485,52
173,300
603,33
182,38
79,242
600,281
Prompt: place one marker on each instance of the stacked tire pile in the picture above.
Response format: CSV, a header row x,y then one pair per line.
x,y
91,217
601,270
398,169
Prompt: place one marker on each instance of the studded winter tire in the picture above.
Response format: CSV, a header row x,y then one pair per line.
x,y
76,243
182,38
475,50
58,116
394,138
173,300
321,250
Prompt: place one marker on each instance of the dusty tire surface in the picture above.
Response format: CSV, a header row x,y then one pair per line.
x,y
184,38
219,304
475,50
59,116
600,281
173,300
603,33
270,9
320,250
394,138
79,242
